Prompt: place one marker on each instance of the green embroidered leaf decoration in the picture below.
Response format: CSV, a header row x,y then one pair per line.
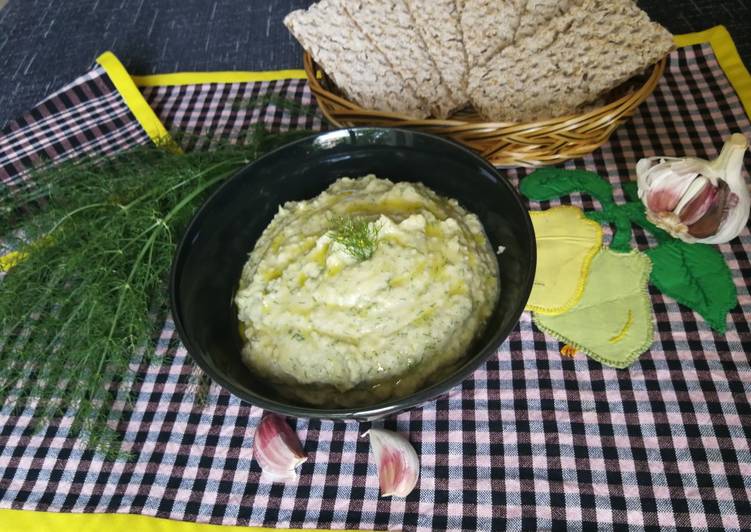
x,y
621,239
635,212
695,275
548,183
631,188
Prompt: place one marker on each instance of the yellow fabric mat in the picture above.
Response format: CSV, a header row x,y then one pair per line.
x,y
28,521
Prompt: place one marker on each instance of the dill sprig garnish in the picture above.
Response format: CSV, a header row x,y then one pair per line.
x,y
86,302
358,236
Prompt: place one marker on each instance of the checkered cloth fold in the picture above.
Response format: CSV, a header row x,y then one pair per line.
x,y
531,441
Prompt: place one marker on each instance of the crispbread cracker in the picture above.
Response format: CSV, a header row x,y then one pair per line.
x,y
361,71
538,13
438,23
390,27
489,26
533,16
589,50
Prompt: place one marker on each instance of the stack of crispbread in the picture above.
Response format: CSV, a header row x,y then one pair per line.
x,y
513,60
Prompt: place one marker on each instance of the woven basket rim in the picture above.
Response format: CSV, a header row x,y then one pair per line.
x,y
314,80
546,141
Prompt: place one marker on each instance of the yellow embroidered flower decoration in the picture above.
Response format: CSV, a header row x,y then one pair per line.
x,y
566,244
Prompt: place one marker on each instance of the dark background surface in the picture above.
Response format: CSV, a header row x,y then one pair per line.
x,y
46,43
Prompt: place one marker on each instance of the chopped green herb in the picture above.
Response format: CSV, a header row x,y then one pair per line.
x,y
358,236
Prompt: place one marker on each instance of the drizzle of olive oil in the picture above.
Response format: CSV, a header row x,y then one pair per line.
x,y
459,288
334,269
271,274
242,332
437,267
396,208
433,231
319,256
276,243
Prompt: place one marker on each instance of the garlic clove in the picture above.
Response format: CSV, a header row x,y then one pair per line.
x,y
696,200
277,449
667,188
396,460
717,212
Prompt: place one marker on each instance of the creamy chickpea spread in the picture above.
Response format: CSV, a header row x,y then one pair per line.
x,y
331,327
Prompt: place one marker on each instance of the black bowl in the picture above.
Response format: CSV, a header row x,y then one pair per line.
x,y
211,255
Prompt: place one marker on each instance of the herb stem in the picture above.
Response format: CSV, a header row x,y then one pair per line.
x,y
184,182
148,246
121,299
65,325
74,212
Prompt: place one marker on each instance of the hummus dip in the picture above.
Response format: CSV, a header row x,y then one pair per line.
x,y
329,327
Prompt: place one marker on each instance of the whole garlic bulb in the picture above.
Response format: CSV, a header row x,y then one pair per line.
x,y
694,199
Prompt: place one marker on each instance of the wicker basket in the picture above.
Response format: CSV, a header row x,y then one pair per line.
x,y
502,143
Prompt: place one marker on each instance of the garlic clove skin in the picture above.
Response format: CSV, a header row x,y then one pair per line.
x,y
729,164
396,460
697,200
667,186
277,449
706,222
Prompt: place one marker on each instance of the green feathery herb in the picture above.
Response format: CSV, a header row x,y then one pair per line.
x,y
88,297
358,236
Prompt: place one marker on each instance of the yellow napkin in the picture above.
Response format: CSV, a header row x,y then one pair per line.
x,y
566,244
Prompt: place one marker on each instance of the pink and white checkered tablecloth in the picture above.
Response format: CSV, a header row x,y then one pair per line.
x,y
531,441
